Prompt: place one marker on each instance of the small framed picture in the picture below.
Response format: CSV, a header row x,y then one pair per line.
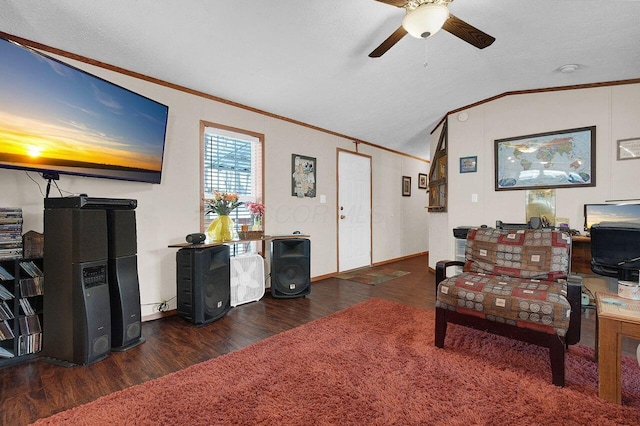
x,y
468,164
629,149
406,186
422,181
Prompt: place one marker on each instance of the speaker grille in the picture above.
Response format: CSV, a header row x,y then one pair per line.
x,y
291,265
101,345
203,289
133,330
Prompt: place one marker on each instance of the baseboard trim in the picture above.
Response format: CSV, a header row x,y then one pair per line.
x,y
397,259
158,315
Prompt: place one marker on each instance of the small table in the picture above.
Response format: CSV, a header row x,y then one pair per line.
x,y
616,318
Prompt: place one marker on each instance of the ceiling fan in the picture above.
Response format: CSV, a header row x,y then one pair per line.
x,y
424,18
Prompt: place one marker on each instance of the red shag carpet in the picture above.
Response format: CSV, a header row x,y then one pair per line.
x,y
372,364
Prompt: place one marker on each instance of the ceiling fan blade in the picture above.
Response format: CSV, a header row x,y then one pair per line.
x,y
397,3
388,43
467,32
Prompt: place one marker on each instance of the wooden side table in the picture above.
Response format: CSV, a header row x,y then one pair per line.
x,y
616,318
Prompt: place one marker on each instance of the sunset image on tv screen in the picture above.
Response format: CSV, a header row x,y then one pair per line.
x,y
54,117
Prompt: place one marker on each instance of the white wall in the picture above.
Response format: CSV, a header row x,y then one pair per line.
x,y
614,110
169,211
399,223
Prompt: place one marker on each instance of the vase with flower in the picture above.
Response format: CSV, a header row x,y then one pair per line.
x,y
257,211
222,228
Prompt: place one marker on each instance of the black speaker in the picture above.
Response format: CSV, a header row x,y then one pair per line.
x,y
196,238
121,232
203,283
77,317
290,267
124,294
75,236
124,288
76,308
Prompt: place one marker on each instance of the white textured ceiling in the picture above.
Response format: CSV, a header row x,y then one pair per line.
x,y
307,60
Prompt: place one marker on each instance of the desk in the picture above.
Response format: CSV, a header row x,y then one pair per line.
x,y
613,323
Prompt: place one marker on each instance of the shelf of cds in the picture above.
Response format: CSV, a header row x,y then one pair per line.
x,y
21,305
10,233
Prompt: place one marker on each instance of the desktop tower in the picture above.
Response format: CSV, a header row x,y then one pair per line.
x,y
76,313
290,267
124,288
203,283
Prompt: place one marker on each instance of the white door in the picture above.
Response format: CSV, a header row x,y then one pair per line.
x,y
354,211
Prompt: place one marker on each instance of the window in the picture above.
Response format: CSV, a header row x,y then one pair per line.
x,y
231,162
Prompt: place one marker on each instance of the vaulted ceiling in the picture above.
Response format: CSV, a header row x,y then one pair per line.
x,y
307,60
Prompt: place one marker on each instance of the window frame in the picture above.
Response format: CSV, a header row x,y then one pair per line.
x,y
260,164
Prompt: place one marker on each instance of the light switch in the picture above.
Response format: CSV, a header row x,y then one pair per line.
x,y
323,199
474,198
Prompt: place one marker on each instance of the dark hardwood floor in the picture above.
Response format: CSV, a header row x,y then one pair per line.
x,y
37,389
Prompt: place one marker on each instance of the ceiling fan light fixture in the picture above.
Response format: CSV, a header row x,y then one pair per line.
x,y
425,20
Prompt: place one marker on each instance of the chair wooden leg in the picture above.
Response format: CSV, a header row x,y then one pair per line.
x,y
557,350
441,327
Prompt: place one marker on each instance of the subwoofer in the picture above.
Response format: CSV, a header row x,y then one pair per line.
x,y
76,308
203,283
290,267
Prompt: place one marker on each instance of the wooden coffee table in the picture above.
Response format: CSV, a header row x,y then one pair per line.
x,y
616,318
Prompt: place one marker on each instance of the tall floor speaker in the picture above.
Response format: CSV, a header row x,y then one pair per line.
x,y
76,311
124,288
290,267
203,283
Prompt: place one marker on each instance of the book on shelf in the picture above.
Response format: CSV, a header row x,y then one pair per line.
x,y
5,294
31,268
30,287
10,254
29,325
5,331
5,275
5,311
29,344
5,353
26,307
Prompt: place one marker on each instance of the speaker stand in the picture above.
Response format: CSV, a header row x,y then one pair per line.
x,y
131,345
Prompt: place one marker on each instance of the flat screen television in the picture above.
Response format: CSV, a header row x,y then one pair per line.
x,y
596,213
55,118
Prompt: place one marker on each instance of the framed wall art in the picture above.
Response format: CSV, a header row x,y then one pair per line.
x,y
558,159
422,181
629,149
406,186
303,176
468,164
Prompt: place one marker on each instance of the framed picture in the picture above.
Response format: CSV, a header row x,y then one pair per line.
x,y
303,176
406,186
422,181
559,159
468,164
629,149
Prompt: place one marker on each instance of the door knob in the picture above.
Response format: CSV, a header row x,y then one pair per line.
x,y
342,216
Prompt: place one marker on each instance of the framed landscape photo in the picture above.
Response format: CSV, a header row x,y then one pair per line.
x,y
406,186
422,181
558,159
468,164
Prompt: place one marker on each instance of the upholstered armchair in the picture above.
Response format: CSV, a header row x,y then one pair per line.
x,y
514,283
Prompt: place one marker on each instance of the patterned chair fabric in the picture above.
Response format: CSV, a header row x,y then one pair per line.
x,y
516,277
